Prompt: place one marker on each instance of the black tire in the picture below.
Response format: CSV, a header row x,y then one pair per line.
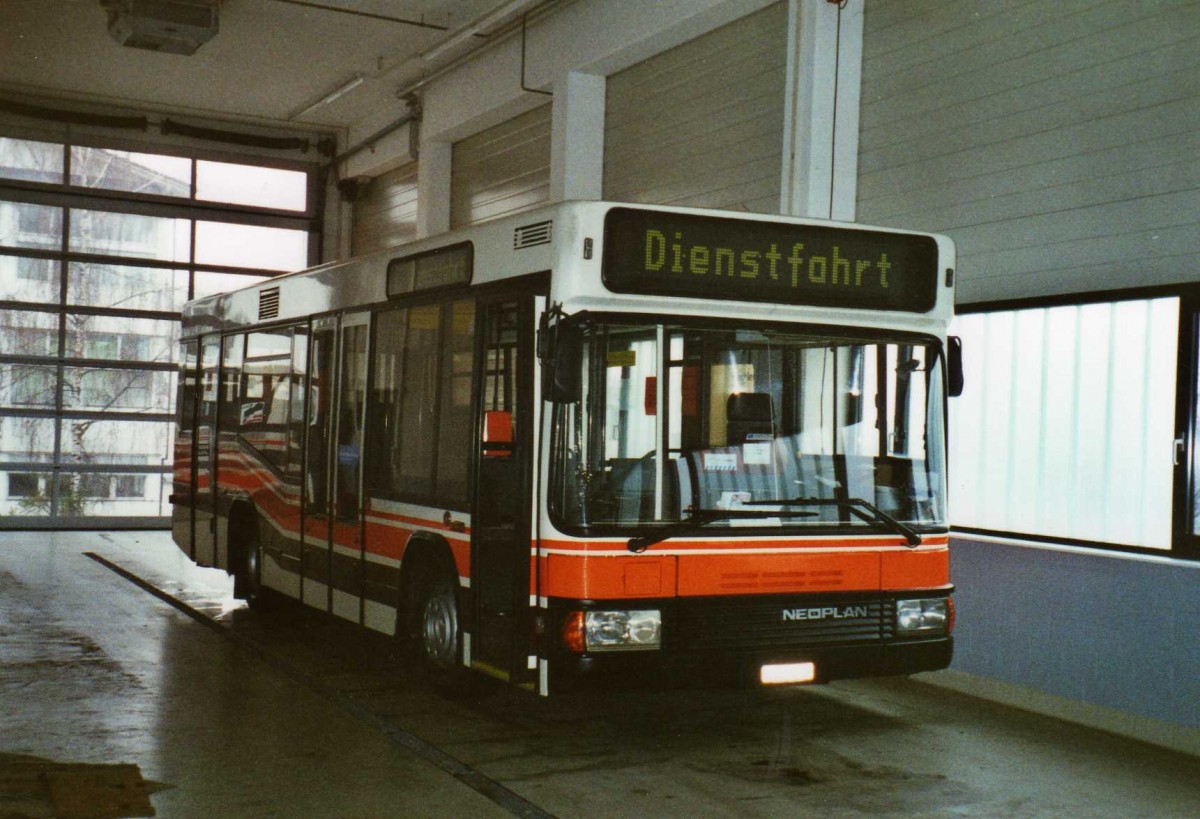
x,y
247,575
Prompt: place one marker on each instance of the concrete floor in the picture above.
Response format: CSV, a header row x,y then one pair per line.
x,y
288,714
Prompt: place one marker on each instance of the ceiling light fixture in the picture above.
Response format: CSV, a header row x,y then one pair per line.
x,y
169,26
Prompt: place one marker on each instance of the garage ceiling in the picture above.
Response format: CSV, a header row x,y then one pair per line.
x,y
273,61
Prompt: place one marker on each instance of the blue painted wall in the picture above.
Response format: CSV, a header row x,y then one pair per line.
x,y
1113,630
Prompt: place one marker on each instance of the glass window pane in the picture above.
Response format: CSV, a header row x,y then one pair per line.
x,y
71,494
383,430
27,385
26,439
320,411
454,420
418,401
268,248
117,442
209,284
27,494
121,338
300,410
33,226
267,394
129,234
28,332
1063,425
119,390
351,405
126,286
770,417
102,494
30,160
23,484
23,278
130,171
251,185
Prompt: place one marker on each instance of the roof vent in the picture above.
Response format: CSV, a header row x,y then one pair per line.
x,y
171,26
530,235
268,303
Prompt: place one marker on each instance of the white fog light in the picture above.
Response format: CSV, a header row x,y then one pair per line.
x,y
787,673
921,615
622,630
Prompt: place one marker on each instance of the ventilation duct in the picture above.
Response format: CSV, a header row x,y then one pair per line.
x,y
530,235
172,26
268,303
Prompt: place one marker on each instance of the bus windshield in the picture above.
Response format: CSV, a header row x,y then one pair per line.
x,y
677,423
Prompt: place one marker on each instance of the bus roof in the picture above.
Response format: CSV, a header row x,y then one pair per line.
x,y
606,256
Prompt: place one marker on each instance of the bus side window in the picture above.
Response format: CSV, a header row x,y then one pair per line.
x,y
320,395
499,493
351,401
455,411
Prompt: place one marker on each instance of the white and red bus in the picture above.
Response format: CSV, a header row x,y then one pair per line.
x,y
593,441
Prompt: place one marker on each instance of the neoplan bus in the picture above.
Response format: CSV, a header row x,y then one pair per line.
x,y
591,440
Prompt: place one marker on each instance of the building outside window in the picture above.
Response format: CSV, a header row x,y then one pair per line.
x,y
91,288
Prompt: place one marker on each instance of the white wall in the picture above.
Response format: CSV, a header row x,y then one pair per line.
x,y
573,49
1056,142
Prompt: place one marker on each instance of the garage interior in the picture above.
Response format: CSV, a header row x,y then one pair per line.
x,y
155,151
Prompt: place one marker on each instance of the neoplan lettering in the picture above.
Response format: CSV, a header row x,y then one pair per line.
x,y
825,613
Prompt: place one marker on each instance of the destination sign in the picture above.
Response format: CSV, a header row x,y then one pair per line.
x,y
443,267
672,254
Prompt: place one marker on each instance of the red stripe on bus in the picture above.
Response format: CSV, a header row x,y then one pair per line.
x,y
699,575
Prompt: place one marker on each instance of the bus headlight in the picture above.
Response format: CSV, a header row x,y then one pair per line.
x,y
932,614
613,630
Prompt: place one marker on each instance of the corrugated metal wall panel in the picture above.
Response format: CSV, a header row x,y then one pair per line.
x,y
702,124
387,215
1056,142
503,170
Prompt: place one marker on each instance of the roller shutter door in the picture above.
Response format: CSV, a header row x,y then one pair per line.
x,y
501,171
702,124
1056,142
387,214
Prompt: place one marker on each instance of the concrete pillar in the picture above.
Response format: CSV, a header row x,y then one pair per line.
x,y
820,173
577,137
433,188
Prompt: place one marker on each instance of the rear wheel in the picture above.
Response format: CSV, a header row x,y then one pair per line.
x,y
247,575
439,629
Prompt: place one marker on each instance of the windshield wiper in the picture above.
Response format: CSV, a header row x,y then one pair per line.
x,y
700,518
858,507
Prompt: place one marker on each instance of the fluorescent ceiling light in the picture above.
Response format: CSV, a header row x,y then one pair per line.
x,y
335,94
468,31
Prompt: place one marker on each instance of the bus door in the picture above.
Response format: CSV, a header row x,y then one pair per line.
x,y
345,455
500,545
316,526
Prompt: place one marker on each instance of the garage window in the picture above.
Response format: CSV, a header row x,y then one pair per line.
x,y
1067,424
100,246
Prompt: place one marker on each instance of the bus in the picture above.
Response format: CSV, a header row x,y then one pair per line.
x,y
594,442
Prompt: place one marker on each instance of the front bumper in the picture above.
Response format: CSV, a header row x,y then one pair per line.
x,y
726,641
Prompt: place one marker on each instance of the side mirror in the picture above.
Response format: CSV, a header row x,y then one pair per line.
x,y
954,364
560,348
